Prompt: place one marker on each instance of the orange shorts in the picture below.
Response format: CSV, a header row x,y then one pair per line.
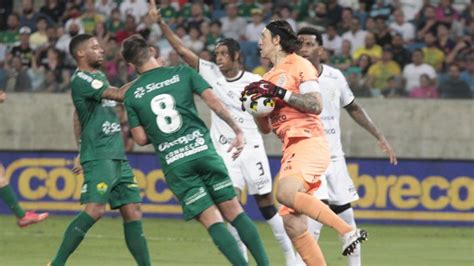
x,y
307,159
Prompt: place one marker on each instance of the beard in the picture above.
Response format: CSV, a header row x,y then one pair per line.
x,y
96,64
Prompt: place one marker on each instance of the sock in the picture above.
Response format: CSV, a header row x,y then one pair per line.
x,y
276,224
226,244
309,250
240,244
73,236
9,197
355,258
314,228
136,242
316,209
249,235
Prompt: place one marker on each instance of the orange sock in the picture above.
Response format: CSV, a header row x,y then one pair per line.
x,y
317,210
309,250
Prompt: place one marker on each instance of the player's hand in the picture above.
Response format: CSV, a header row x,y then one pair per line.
x,y
264,88
154,13
386,148
3,96
77,167
238,144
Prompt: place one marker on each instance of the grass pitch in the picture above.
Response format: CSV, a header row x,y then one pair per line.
x,y
175,242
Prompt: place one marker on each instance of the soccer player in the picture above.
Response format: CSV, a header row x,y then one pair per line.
x,y
161,110
8,196
305,149
251,169
337,188
108,177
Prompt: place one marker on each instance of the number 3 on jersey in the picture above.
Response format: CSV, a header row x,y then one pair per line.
x,y
168,118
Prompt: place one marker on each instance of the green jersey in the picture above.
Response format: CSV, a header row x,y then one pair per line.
x,y
100,126
162,101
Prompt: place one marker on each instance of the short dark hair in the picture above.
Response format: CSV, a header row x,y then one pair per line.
x,y
288,39
216,22
312,31
232,45
135,50
77,41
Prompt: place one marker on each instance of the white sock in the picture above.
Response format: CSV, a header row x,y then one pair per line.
x,y
276,224
355,258
241,244
314,227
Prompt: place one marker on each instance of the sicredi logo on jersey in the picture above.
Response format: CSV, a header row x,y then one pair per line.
x,y
141,91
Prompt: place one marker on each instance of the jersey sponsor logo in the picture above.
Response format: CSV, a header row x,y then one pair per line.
x,y
281,80
196,196
330,131
85,77
223,139
141,91
222,185
326,118
278,118
110,128
261,182
186,151
97,84
108,103
181,140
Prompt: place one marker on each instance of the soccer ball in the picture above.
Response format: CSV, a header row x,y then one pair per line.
x,y
260,107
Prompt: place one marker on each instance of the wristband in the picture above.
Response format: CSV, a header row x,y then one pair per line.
x,y
287,96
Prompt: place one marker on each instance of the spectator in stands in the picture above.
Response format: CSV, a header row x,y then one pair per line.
x,y
11,36
168,12
71,30
361,13
244,9
36,73
380,8
400,54
135,8
264,67
148,30
402,27
467,14
255,28
40,37
427,23
54,63
197,16
28,16
233,26
426,90
356,36
394,88
301,11
7,8
462,49
344,24
432,54
114,23
18,78
105,7
370,25
332,42
444,42
343,60
444,10
54,10
173,58
370,48
453,87
412,72
356,82
468,74
24,51
382,70
101,34
383,34
285,13
214,35
334,12
129,29
193,40
320,18
90,18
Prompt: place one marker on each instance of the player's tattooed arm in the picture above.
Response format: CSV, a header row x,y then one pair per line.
x,y
362,118
308,102
216,105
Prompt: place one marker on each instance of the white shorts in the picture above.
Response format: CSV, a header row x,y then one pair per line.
x,y
251,169
336,185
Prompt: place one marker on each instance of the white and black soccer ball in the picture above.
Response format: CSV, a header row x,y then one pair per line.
x,y
260,107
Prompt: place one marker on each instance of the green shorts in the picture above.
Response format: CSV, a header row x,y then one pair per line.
x,y
200,183
109,181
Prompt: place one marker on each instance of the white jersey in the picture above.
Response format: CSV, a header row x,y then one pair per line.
x,y
228,91
336,93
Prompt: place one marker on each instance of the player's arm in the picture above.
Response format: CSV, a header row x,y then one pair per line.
x,y
362,118
188,56
263,124
216,105
77,167
116,94
139,136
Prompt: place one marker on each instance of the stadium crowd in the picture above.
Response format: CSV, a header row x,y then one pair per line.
x,y
386,48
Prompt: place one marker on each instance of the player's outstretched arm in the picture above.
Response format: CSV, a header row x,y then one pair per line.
x,y
362,118
139,136
188,56
216,105
116,94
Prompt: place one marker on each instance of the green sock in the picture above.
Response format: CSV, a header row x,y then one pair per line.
x,y
226,244
9,197
249,235
73,236
136,242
